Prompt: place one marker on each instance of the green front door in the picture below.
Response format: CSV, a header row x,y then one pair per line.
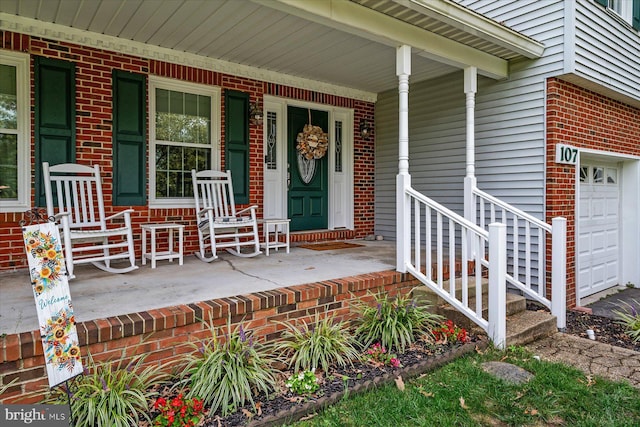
x,y
308,191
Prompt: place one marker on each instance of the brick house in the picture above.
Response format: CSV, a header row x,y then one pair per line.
x,y
517,98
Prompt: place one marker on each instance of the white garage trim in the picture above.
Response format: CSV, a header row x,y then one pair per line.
x,y
628,242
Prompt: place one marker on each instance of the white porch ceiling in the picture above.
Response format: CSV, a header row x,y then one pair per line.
x,y
281,36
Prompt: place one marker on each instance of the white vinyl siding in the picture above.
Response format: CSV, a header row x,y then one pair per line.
x,y
606,50
509,125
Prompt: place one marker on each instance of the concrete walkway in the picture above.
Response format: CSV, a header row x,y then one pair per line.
x,y
592,357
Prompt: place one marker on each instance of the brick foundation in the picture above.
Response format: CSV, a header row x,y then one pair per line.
x,y
164,334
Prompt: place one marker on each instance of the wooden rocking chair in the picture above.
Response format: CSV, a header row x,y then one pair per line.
x,y
86,231
219,225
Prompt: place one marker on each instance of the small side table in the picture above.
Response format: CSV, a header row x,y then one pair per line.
x,y
169,254
272,237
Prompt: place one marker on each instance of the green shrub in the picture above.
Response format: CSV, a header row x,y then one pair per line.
x,y
111,394
317,346
303,383
393,322
224,373
629,317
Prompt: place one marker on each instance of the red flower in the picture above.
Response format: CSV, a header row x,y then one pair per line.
x,y
159,402
177,401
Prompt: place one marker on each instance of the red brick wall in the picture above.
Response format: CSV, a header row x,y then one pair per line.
x,y
94,133
164,334
586,120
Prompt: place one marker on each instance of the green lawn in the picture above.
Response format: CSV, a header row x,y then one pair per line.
x,y
462,394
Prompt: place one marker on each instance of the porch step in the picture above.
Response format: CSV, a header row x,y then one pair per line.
x,y
528,326
426,295
523,326
515,304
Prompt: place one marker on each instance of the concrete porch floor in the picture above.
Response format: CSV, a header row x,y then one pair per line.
x,y
96,294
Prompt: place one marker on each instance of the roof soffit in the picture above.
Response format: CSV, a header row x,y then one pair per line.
x,y
101,41
477,24
376,21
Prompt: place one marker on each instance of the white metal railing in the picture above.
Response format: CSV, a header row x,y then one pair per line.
x,y
435,232
526,250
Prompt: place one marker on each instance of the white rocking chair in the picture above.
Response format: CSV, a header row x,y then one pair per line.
x,y
219,225
85,228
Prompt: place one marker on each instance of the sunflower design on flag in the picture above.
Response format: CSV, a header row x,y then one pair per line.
x,y
60,341
47,252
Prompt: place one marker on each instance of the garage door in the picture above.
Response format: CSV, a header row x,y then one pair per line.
x,y
598,228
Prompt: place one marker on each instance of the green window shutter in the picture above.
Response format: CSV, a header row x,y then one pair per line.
x,y
635,21
129,139
237,142
55,116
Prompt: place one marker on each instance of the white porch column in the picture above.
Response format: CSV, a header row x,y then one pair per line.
x,y
470,89
403,179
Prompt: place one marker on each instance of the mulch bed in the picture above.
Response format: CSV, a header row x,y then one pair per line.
x,y
284,407
607,331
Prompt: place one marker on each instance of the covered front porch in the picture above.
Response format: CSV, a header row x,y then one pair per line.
x,y
97,294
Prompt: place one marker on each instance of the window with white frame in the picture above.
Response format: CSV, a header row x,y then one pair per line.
x,y
628,10
184,131
622,8
15,171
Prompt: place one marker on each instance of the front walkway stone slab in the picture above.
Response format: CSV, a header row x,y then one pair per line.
x,y
507,372
593,358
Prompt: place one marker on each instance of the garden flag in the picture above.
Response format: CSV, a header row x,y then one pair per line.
x,y
53,302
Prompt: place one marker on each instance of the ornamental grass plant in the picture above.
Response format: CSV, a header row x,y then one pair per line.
x,y
318,345
629,317
393,322
112,393
227,371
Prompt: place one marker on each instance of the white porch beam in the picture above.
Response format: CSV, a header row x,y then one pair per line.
x,y
403,179
355,19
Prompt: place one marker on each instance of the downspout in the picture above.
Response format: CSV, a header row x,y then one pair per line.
x,y
470,89
403,179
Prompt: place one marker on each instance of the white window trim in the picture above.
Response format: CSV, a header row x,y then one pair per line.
x,y
178,85
625,14
21,62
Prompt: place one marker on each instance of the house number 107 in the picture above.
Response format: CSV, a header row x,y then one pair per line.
x,y
566,154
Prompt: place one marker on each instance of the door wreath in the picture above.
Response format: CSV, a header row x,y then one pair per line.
x,y
312,144
312,141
